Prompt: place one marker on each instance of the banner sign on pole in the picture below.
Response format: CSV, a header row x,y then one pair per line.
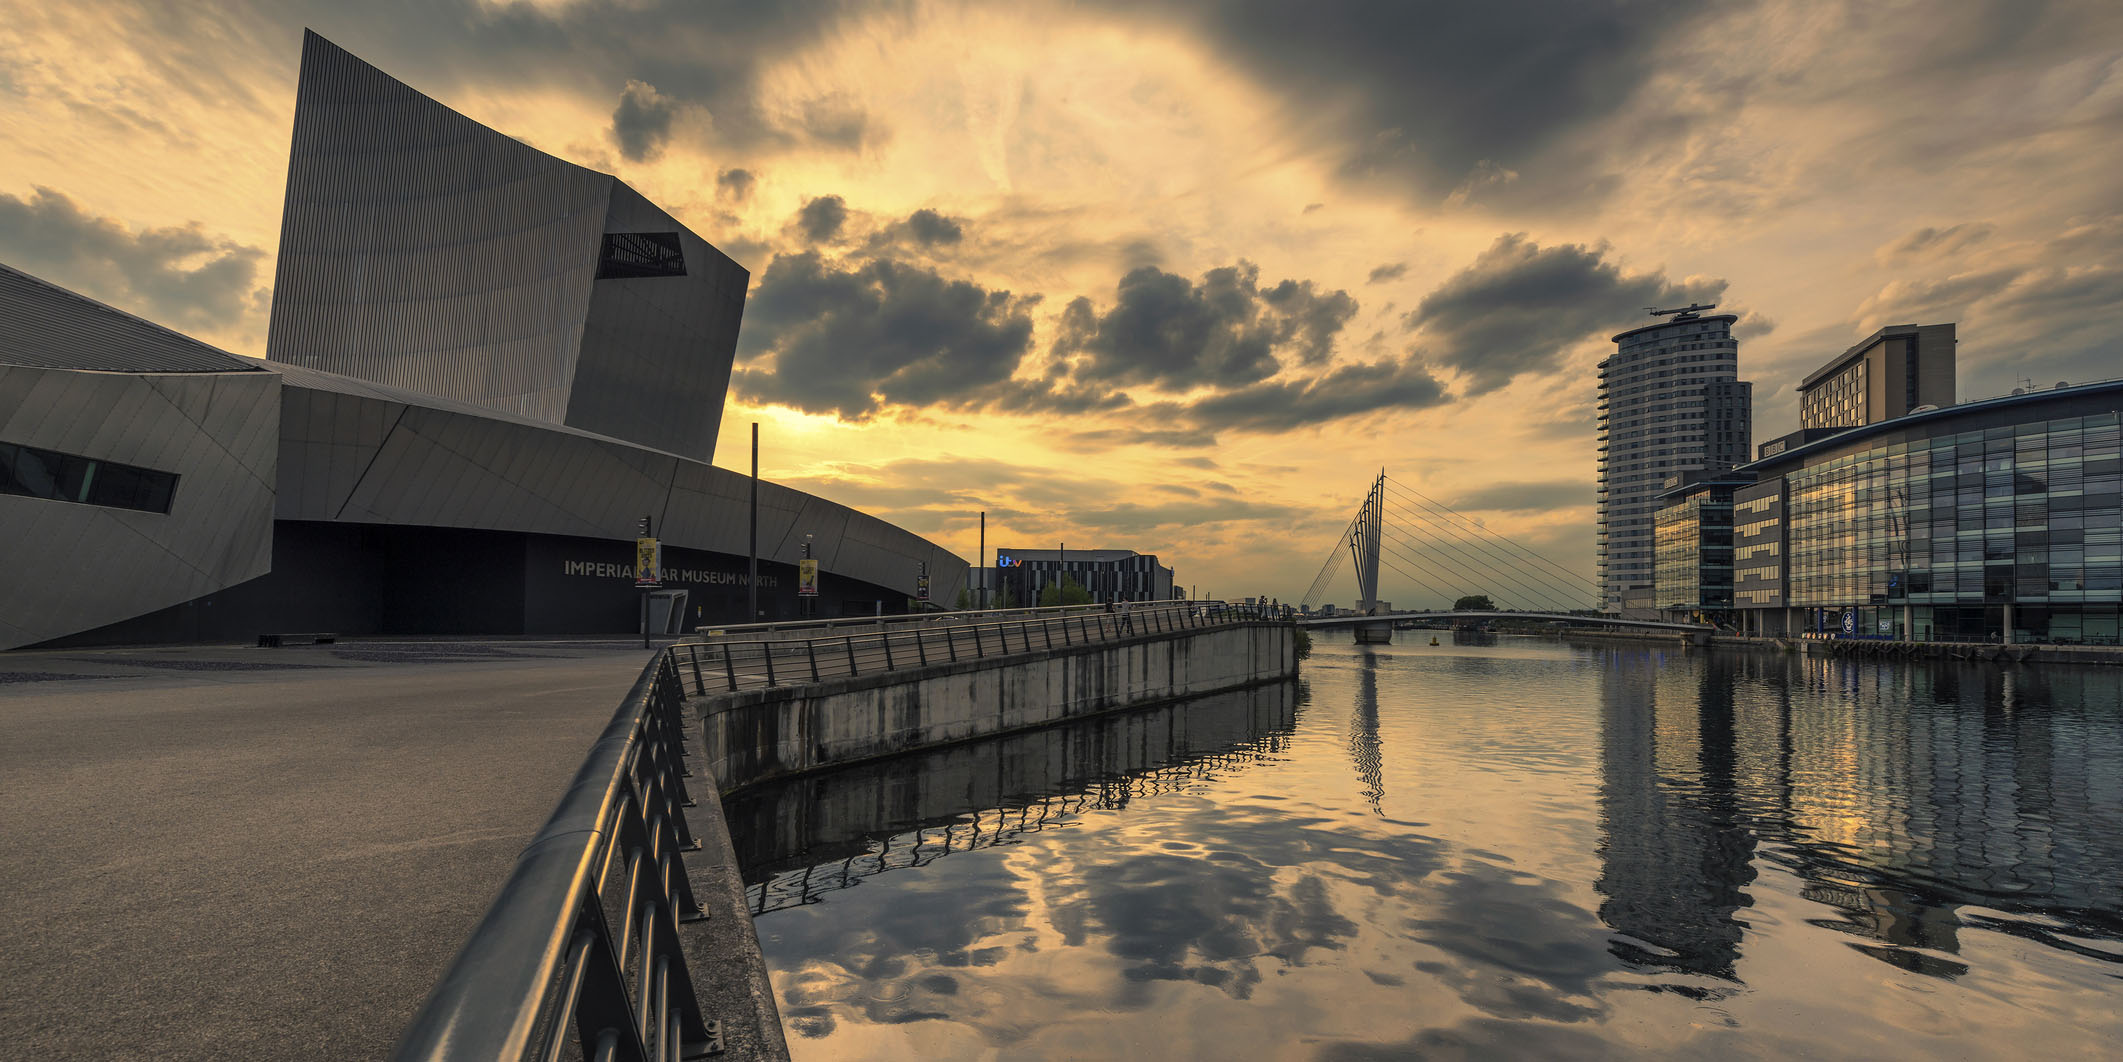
x,y
807,577
648,562
921,588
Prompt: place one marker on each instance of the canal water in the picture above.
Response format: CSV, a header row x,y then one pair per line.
x,y
1495,847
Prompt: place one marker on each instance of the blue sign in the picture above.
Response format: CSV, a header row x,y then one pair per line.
x,y
1004,560
1850,621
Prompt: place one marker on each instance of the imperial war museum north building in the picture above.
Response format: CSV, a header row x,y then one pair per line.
x,y
484,367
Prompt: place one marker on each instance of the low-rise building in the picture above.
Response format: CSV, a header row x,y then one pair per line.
x,y
1109,574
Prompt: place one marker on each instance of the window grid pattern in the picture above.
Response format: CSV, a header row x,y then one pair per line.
x,y
2026,515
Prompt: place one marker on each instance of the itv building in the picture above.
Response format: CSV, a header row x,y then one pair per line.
x,y
485,366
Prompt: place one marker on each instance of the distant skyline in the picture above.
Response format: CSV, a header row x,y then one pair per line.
x,y
1177,276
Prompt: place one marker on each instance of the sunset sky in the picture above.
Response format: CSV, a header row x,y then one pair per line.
x,y
1177,276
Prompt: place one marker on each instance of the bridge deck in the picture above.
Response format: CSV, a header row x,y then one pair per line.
x,y
269,853
1555,617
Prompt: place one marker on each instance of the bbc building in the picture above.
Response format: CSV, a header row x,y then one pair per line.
x,y
484,368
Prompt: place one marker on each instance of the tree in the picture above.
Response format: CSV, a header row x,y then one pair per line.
x,y
1070,592
965,599
1473,603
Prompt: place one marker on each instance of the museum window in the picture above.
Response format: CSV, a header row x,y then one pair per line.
x,y
29,472
629,255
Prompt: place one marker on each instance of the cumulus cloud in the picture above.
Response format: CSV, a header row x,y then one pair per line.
x,y
1519,307
930,227
1344,391
847,339
642,123
821,219
1389,271
737,184
1168,331
177,275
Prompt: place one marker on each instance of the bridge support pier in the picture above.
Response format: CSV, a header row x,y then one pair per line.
x,y
1375,633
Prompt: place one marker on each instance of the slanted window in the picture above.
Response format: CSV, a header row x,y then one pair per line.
x,y
33,473
640,254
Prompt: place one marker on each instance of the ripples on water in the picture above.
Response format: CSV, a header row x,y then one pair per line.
x,y
1505,849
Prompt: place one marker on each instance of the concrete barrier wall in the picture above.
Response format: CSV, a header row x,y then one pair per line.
x,y
756,735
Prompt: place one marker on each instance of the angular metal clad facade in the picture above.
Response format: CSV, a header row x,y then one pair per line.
x,y
422,250
67,563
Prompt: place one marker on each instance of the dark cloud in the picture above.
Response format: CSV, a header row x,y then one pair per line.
x,y
923,230
1522,497
642,124
1344,391
930,227
1929,242
1168,331
736,184
180,275
1519,307
827,339
821,218
1433,94
1389,271
1313,207
839,121
1092,440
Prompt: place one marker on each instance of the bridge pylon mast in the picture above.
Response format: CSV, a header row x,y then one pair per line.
x,y
1364,541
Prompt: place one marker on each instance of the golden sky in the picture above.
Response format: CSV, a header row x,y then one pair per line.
x,y
1177,276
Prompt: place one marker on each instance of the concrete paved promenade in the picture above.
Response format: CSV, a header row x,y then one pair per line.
x,y
268,853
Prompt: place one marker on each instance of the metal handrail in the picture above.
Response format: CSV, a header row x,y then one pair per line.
x,y
549,959
727,665
752,631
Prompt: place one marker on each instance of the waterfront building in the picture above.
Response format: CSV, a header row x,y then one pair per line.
x,y
1109,574
1886,375
1670,401
1694,578
1989,521
486,367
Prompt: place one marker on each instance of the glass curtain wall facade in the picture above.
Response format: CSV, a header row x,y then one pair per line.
x,y
1694,541
1966,537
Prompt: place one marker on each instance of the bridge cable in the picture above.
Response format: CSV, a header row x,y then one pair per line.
x,y
1442,576
1548,581
1404,573
1332,566
1569,576
1409,551
1412,498
1566,589
1541,596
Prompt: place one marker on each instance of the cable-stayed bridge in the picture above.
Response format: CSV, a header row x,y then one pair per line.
x,y
1433,549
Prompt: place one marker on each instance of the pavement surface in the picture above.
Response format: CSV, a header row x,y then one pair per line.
x,y
215,853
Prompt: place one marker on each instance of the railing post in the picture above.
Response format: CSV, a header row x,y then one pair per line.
x,y
766,652
810,647
729,669
887,639
693,654
853,669
980,652
951,642
921,652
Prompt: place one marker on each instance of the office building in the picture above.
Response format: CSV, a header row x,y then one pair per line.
x,y
486,367
1988,521
1694,535
1670,401
1891,372
1109,574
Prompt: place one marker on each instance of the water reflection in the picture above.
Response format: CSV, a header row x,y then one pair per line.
x,y
1898,795
1495,846
799,840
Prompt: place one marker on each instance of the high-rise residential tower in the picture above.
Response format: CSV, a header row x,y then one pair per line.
x,y
1670,401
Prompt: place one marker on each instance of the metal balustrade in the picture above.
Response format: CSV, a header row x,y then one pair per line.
x,y
727,662
579,956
